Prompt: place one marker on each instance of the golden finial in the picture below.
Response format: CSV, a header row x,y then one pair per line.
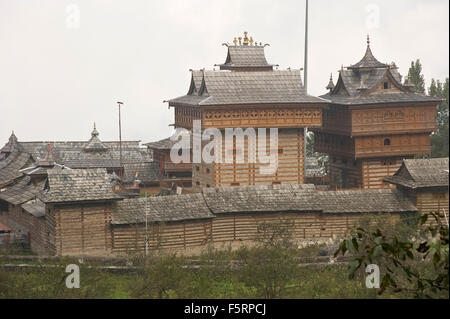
x,y
235,41
240,39
251,41
245,38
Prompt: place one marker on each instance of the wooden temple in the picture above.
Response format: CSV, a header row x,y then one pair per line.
x,y
247,92
373,122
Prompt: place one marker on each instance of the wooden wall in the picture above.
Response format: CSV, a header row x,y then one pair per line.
x,y
290,167
374,170
392,145
82,229
262,117
394,120
234,229
24,223
344,172
349,173
174,235
433,200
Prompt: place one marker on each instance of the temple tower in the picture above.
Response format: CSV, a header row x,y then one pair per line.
x,y
248,93
373,123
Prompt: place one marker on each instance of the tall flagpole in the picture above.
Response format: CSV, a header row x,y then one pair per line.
x,y
305,84
305,73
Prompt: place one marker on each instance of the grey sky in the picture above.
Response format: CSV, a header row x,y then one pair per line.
x,y
57,78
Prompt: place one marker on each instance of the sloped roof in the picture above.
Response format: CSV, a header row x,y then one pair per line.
x,y
5,228
364,201
404,97
160,209
244,56
145,172
72,185
34,207
10,146
368,61
168,143
267,198
227,87
258,199
356,82
421,173
11,166
74,155
94,144
21,191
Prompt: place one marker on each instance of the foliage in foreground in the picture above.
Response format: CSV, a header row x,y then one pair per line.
x,y
416,264
267,270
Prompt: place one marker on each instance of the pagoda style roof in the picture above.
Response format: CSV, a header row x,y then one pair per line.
x,y
245,78
245,55
258,87
368,61
94,144
10,146
421,173
245,58
372,82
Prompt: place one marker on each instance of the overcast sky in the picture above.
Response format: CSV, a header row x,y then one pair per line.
x,y
64,64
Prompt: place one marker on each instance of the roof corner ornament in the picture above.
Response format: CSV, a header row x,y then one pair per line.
x,y
235,41
225,44
266,44
251,41
240,40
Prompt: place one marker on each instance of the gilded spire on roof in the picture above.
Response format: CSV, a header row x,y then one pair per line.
x,y
245,41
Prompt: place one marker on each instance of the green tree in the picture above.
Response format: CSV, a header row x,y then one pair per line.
x,y
416,77
439,141
417,264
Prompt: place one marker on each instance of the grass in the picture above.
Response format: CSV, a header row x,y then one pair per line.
x,y
309,282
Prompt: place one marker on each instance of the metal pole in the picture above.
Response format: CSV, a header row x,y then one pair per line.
x,y
305,73
120,140
146,225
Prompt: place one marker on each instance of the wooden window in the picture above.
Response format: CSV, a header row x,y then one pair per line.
x,y
387,142
276,183
386,85
197,168
235,184
208,171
